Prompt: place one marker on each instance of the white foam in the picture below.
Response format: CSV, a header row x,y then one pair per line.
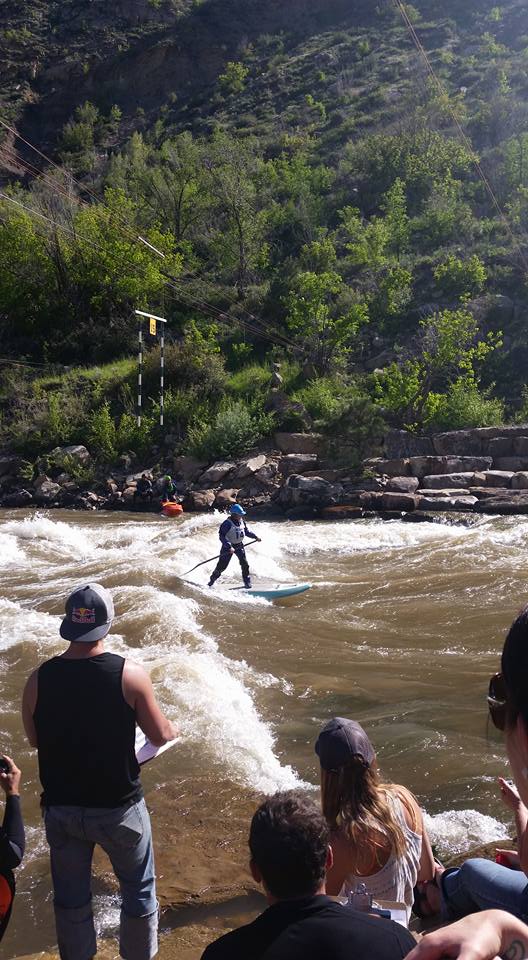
x,y
456,831
19,624
10,552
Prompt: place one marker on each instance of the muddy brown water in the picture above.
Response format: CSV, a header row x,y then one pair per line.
x,y
401,630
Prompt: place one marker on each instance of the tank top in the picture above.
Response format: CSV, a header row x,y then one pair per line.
x,y
86,734
396,880
235,533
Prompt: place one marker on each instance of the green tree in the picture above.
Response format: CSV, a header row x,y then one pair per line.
x,y
326,332
460,278
233,80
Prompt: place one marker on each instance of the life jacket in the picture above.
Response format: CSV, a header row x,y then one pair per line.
x,y
7,894
235,534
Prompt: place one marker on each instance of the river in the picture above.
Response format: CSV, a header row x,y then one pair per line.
x,y
401,631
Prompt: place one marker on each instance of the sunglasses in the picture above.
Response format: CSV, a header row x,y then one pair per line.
x,y
497,701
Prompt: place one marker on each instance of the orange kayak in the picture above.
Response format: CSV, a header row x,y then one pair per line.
x,y
170,509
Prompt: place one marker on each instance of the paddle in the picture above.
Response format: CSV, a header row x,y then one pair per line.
x,y
187,572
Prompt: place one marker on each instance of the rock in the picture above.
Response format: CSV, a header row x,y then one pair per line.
x,y
308,490
498,478
423,466
303,513
199,500
267,473
389,468
9,466
434,503
62,479
249,467
342,513
501,447
83,503
128,493
401,443
19,498
46,491
447,481
225,498
187,468
461,492
294,463
111,486
520,446
216,473
333,476
487,492
276,377
76,451
397,501
513,464
402,485
503,506
372,485
458,442
519,481
283,406
311,443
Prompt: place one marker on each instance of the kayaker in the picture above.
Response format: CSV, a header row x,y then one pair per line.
x,y
232,533
169,491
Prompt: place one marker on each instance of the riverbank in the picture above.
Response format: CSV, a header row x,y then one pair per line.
x,y
482,471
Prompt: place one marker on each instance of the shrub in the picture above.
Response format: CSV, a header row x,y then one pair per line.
x,y
459,278
132,436
464,405
232,433
250,380
102,437
323,398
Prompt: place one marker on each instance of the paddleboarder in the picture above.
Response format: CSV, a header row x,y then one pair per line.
x,y
232,533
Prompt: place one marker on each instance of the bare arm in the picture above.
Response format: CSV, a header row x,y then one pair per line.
x,y
510,796
337,873
139,694
414,819
481,936
29,702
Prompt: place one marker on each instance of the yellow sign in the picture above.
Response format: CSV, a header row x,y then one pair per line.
x,y
152,326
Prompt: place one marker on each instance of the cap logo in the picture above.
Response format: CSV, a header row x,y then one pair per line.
x,y
83,615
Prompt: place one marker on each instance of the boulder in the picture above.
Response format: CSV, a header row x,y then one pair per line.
x,y
461,492
76,451
447,481
296,463
397,501
46,491
498,478
19,498
487,492
267,473
503,506
199,500
388,468
519,481
434,503
299,442
249,467
401,443
341,513
216,473
187,468
423,466
501,447
300,490
128,493
225,498
520,446
458,443
373,484
513,464
402,485
9,466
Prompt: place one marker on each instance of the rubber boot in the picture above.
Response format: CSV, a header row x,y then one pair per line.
x,y
247,583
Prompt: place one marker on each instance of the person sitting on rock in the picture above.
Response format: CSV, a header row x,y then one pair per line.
x,y
232,533
143,491
290,853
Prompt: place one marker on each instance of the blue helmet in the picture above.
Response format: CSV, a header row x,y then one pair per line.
x,y
237,511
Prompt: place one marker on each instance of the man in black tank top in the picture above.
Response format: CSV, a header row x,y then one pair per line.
x,y
80,710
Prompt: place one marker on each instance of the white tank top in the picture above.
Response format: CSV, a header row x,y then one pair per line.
x,y
396,880
235,534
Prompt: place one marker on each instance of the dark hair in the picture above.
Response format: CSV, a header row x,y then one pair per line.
x,y
288,840
515,669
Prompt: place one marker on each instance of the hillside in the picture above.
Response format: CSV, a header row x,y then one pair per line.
x,y
321,193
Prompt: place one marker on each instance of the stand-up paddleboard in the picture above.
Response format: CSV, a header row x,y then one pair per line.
x,y
145,750
275,591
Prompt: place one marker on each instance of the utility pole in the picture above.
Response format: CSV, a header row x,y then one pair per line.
x,y
153,320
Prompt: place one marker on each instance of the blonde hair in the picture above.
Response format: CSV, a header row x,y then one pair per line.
x,y
356,802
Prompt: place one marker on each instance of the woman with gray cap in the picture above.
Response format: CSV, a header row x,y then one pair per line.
x,y
377,833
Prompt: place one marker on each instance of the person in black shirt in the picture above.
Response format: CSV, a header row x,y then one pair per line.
x,y
143,491
289,855
12,838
